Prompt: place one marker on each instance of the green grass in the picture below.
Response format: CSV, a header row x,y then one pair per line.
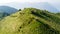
x,y
30,21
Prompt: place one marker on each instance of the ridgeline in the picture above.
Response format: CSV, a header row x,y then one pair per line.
x,y
30,21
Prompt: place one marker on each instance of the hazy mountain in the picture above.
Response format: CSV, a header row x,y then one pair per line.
x,y
31,21
7,9
41,5
3,14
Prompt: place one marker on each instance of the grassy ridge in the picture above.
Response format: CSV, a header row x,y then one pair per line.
x,y
31,21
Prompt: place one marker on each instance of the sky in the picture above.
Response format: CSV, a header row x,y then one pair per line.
x,y
55,3
8,1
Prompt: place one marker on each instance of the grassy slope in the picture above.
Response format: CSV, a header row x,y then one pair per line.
x,y
30,21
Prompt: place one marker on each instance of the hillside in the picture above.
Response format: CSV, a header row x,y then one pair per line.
x,y
30,21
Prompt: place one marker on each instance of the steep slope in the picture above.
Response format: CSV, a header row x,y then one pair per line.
x,y
31,21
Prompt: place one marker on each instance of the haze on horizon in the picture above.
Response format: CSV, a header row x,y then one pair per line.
x,y
55,3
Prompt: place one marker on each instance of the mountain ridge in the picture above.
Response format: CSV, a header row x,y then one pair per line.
x,y
30,21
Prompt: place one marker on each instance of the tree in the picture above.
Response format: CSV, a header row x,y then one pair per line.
x,y
19,9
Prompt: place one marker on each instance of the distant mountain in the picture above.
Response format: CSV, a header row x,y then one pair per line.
x,y
3,14
41,5
7,9
31,21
